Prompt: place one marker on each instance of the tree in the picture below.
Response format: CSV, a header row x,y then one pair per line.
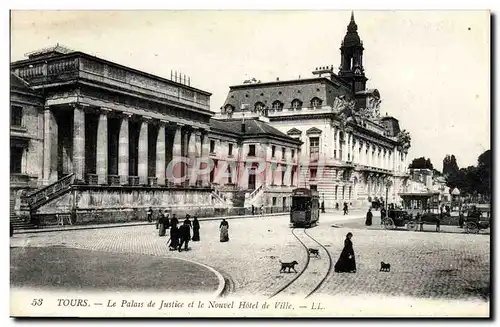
x,y
421,163
450,166
484,173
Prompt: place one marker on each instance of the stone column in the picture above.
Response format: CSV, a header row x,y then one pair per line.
x,y
337,143
102,149
177,155
205,149
123,151
143,153
354,150
160,154
79,143
192,151
49,146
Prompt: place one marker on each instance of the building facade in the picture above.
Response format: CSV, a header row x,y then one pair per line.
x,y
350,153
98,141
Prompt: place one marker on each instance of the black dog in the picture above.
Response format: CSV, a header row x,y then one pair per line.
x,y
314,252
385,266
289,265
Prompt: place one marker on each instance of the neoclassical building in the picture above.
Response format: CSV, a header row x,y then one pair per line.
x,y
98,141
350,153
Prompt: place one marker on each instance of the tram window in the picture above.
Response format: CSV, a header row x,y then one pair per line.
x,y
301,204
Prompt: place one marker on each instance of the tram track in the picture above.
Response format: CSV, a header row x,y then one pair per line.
x,y
306,278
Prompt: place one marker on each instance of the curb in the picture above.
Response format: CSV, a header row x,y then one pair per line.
x,y
222,282
83,227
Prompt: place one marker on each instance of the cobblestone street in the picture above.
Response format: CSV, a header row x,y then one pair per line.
x,y
423,265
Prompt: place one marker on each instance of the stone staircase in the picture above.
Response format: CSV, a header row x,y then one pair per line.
x,y
48,193
218,196
255,196
16,221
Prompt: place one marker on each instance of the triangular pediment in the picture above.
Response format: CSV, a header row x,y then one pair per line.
x,y
313,130
294,131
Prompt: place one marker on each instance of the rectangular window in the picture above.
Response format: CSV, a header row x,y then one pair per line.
x,y
293,153
251,150
273,151
283,177
283,152
16,116
313,145
212,146
230,149
312,173
274,200
336,191
314,187
16,159
284,202
230,175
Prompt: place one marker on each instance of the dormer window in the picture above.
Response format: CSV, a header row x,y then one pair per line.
x,y
316,103
277,105
296,104
259,106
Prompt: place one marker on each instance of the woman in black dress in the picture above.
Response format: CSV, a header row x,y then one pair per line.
x,y
347,261
174,237
196,230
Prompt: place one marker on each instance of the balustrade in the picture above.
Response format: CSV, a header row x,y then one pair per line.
x,y
114,180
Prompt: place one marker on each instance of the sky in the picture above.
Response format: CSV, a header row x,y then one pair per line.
x,y
432,68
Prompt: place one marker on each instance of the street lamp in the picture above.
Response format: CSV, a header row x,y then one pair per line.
x,y
388,186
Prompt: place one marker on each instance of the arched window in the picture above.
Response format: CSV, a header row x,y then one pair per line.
x,y
296,104
277,105
316,102
259,106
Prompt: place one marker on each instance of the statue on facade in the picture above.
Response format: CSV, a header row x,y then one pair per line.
x,y
404,140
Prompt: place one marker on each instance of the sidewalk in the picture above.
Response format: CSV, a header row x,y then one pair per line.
x,y
140,223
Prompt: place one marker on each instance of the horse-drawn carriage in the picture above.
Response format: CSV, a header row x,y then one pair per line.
x,y
478,217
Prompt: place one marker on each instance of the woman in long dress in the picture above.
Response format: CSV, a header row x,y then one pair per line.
x,y
162,224
174,237
196,230
224,231
369,217
347,261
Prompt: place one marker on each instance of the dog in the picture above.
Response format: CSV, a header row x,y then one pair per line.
x,y
289,265
314,252
385,266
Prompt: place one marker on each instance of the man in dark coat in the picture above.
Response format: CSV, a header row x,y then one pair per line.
x,y
369,217
150,214
185,235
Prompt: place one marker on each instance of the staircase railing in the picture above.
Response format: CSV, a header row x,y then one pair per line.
x,y
218,193
47,193
256,192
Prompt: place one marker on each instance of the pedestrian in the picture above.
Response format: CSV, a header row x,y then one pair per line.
x,y
196,230
369,217
253,210
337,206
174,220
224,231
461,219
438,222
185,236
174,237
347,260
150,214
346,209
261,209
187,221
162,224
383,213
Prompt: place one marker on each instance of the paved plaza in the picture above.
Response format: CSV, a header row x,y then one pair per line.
x,y
423,265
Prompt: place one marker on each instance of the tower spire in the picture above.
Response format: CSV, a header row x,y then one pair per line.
x,y
352,27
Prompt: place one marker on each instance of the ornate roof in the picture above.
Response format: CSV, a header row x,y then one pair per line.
x,y
49,50
352,38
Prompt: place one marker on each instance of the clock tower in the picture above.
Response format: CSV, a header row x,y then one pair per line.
x,y
351,66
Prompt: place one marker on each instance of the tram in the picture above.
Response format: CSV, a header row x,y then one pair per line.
x,y
305,207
